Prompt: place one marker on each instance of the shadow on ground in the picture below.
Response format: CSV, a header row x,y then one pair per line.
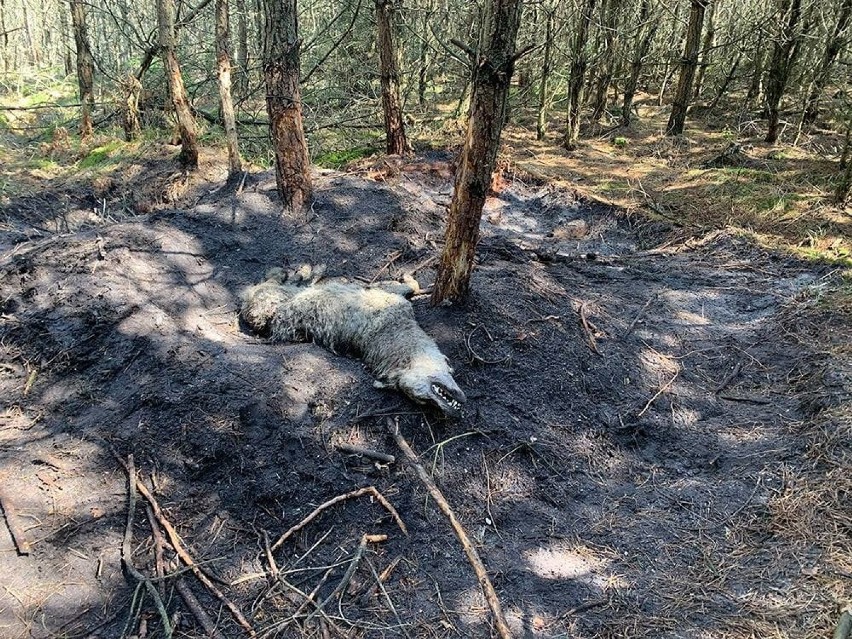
x,y
634,411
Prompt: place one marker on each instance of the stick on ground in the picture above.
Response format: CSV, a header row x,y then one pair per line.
x,y
22,541
176,543
367,490
469,548
126,553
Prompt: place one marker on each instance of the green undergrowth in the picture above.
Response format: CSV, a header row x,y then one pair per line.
x,y
339,159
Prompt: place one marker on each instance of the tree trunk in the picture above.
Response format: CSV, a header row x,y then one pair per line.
x,y
185,122
396,142
223,71
845,184
242,49
783,55
577,78
67,59
727,81
608,64
284,104
688,63
706,49
85,66
131,87
494,64
4,36
643,44
547,67
823,73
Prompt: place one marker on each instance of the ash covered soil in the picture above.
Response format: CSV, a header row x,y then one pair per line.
x,y
638,407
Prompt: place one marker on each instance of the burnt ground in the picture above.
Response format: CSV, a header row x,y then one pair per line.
x,y
651,446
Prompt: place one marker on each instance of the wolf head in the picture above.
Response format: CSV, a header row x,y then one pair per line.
x,y
431,382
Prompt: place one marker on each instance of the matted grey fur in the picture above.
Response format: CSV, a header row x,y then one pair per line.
x,y
375,323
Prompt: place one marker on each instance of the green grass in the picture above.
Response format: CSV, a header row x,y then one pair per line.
x,y
339,159
100,155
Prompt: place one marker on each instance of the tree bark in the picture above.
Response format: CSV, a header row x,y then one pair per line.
x,y
784,50
832,48
687,68
643,44
547,67
706,49
396,142
610,45
577,78
85,66
223,71
242,49
494,65
284,104
131,87
67,60
188,157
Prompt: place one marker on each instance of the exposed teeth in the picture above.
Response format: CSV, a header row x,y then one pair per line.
x,y
440,393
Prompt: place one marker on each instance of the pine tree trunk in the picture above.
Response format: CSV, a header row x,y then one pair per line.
x,y
643,44
85,66
706,49
680,104
131,87
242,50
188,157
845,184
284,104
823,73
783,55
67,60
4,36
608,64
494,66
396,142
577,77
547,67
223,72
727,81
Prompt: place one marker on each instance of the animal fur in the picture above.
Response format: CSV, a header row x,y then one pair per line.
x,y
375,323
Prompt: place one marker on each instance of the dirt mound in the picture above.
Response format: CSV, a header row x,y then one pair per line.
x,y
632,424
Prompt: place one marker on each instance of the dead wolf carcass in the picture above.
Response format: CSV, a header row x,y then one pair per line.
x,y
375,323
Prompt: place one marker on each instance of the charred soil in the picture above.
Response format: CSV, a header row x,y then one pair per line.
x,y
653,443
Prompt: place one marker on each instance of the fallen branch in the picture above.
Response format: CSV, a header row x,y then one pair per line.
x,y
176,543
639,315
366,452
367,490
728,378
127,557
588,329
347,576
22,541
658,393
197,611
469,549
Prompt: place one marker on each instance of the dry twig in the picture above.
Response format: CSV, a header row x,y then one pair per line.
x,y
588,329
22,541
176,543
197,611
662,390
469,548
367,490
126,556
366,452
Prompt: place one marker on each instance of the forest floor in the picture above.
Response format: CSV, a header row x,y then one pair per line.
x,y
656,441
